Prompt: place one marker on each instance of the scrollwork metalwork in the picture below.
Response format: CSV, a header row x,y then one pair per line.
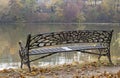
x,y
65,37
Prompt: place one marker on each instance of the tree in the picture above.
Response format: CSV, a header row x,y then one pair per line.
x,y
28,10
81,17
109,8
15,10
71,11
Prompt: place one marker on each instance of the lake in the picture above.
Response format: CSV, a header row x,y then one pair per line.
x,y
11,34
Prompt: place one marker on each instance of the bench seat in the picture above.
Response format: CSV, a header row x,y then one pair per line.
x,y
64,49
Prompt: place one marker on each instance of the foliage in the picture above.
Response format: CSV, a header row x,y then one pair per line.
x,y
60,11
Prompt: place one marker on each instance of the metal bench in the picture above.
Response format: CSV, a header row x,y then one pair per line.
x,y
84,41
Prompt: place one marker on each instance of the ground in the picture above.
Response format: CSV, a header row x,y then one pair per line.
x,y
73,70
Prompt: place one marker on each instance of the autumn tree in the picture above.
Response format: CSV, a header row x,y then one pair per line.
x,y
28,10
109,9
71,11
15,10
61,11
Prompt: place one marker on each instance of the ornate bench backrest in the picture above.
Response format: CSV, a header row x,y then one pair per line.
x,y
67,37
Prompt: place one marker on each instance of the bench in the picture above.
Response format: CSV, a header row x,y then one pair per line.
x,y
85,41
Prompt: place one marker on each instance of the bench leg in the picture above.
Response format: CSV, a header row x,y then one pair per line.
x,y
28,64
100,50
109,57
21,66
99,58
21,59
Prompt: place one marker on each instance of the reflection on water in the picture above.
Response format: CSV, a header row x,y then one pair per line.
x,y
9,65
65,58
57,59
11,34
62,59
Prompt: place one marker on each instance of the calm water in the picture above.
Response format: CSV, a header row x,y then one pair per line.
x,y
11,34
